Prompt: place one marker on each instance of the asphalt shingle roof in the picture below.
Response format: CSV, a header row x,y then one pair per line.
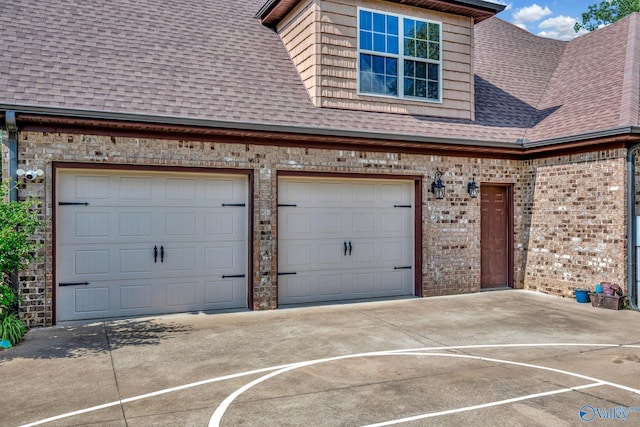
x,y
214,60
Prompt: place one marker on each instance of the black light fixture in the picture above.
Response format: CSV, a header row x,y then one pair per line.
x,y
437,187
473,189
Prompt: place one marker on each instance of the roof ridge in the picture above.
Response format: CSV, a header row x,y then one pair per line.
x,y
630,99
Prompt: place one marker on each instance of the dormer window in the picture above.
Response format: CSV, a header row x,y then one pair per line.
x,y
399,56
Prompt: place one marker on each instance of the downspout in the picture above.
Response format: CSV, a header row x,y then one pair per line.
x,y
12,144
632,227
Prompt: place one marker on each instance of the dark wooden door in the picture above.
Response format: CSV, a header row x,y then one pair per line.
x,y
495,240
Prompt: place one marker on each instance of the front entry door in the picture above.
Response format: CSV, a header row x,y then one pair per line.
x,y
495,241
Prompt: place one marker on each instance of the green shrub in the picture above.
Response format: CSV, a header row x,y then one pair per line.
x,y
12,328
18,223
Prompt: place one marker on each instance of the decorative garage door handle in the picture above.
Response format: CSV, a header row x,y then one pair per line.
x,y
155,253
161,253
347,247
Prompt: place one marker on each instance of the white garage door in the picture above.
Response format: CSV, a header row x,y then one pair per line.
x,y
341,239
138,243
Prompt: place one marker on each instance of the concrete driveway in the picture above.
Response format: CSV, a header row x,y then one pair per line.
x,y
496,358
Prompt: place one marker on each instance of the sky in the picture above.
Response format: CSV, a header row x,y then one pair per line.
x,y
547,18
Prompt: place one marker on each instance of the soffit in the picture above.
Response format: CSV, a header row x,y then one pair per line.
x,y
274,11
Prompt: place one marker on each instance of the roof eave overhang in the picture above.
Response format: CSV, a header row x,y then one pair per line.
x,y
55,119
273,11
630,132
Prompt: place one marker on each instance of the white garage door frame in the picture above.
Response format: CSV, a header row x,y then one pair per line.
x,y
71,167
416,182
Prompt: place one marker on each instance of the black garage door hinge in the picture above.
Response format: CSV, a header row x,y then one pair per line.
x,y
73,203
406,267
73,284
285,205
402,206
287,273
228,205
232,276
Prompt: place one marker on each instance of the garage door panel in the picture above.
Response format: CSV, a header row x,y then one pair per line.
x,y
180,294
180,189
91,262
134,188
363,193
395,281
373,218
91,300
109,243
363,283
181,259
224,292
138,260
134,296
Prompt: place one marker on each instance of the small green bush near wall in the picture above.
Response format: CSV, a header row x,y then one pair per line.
x,y
18,223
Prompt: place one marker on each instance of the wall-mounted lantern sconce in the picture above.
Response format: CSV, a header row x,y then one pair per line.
x,y
473,189
437,187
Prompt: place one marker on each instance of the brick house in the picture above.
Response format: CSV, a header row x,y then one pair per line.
x,y
227,155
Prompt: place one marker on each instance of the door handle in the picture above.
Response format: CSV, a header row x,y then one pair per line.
x,y
155,253
345,248
350,248
161,253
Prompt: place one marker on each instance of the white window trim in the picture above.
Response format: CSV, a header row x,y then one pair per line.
x,y
400,57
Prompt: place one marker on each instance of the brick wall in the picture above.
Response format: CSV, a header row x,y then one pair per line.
x,y
451,227
577,217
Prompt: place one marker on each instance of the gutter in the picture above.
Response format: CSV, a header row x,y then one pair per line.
x,y
632,227
252,126
608,133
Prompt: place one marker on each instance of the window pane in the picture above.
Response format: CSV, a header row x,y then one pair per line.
x,y
421,30
421,88
434,51
409,87
378,64
421,49
409,27
434,73
410,47
391,66
366,41
421,70
409,69
433,91
365,63
392,25
378,84
379,42
365,82
379,23
365,20
392,45
434,32
392,86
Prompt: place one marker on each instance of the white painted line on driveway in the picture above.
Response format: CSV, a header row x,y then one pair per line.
x,y
295,365
482,406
